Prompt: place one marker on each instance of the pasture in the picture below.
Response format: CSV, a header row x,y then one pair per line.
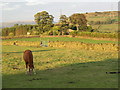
x,y
59,67
107,28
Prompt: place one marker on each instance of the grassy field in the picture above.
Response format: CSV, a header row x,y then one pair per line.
x,y
104,17
62,67
106,27
60,39
59,68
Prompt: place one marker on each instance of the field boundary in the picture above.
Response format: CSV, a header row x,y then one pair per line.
x,y
95,38
34,36
21,36
71,44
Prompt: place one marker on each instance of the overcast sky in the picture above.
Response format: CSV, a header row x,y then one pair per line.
x,y
24,10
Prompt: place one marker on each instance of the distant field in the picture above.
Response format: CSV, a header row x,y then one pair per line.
x,y
60,39
100,18
106,27
59,68
104,17
96,18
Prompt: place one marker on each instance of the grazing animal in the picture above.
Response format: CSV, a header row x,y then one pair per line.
x,y
28,58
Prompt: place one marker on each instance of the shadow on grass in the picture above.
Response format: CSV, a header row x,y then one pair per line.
x,y
32,51
78,75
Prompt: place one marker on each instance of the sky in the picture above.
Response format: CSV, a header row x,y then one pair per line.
x,y
24,10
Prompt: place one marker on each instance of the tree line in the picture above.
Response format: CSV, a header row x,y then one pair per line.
x,y
45,25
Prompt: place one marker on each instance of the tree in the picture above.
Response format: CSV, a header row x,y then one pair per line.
x,y
12,30
54,30
63,19
21,30
16,25
78,20
63,24
42,19
5,31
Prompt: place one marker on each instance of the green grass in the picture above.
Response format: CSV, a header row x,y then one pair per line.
x,y
60,68
61,39
96,18
106,27
100,18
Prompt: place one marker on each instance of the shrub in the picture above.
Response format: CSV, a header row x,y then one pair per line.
x,y
74,33
35,33
54,30
11,34
99,35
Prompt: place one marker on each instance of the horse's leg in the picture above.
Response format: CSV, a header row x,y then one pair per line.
x,y
34,70
30,70
27,69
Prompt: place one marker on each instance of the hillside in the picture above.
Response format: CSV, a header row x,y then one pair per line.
x,y
103,21
9,24
101,16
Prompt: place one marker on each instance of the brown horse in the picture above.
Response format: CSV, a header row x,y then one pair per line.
x,y
28,58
